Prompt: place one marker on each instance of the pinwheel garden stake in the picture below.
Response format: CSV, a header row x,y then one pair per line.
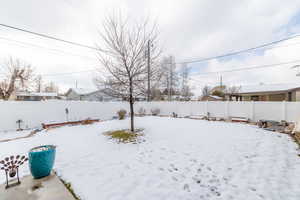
x,y
11,167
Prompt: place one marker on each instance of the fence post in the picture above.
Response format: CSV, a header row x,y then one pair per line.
x,y
252,111
284,110
206,108
227,109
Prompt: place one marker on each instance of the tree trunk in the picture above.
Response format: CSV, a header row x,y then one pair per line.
x,y
131,101
11,87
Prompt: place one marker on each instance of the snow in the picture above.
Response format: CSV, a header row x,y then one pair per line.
x,y
83,91
215,97
268,87
181,159
5,135
38,94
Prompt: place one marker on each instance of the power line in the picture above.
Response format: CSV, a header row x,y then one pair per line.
x,y
20,43
69,73
248,68
239,52
51,37
205,73
186,62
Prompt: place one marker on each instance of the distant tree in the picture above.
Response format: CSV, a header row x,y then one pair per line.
x,y
38,83
218,93
169,82
230,91
18,75
206,91
185,92
51,87
122,54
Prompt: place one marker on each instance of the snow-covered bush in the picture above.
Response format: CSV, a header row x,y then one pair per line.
x,y
122,113
155,111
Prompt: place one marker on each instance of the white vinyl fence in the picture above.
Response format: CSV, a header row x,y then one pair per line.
x,y
33,114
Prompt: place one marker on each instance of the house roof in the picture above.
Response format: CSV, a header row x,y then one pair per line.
x,y
268,88
215,97
82,91
37,94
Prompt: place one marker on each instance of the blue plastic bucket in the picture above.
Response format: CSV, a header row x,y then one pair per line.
x,y
41,160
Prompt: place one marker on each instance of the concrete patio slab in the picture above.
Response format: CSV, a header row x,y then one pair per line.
x,y
48,188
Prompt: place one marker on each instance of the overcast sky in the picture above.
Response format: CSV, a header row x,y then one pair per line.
x,y
189,29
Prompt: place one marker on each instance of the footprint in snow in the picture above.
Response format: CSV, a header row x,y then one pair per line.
x,y
187,169
261,196
197,180
173,167
161,169
186,187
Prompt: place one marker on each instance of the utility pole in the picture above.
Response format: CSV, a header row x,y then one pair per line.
x,y
221,82
148,69
171,79
76,84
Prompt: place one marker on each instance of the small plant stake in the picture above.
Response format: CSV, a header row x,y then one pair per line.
x,y
19,122
11,167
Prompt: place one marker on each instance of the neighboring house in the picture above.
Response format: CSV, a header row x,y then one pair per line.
x,y
81,94
211,98
274,92
33,96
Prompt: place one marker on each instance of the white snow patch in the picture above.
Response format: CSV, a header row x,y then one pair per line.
x,y
5,135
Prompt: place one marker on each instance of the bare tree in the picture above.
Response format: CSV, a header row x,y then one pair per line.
x,y
186,92
233,90
206,91
169,80
39,83
123,56
51,87
17,75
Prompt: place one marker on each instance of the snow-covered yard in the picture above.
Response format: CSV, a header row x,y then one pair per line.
x,y
7,135
180,159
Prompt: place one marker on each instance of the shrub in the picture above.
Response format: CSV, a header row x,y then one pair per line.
x,y
155,111
142,111
122,113
175,115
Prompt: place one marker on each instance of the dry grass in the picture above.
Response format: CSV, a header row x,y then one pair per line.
x,y
126,136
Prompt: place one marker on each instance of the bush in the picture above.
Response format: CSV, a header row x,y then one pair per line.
x,y
155,111
122,113
142,111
